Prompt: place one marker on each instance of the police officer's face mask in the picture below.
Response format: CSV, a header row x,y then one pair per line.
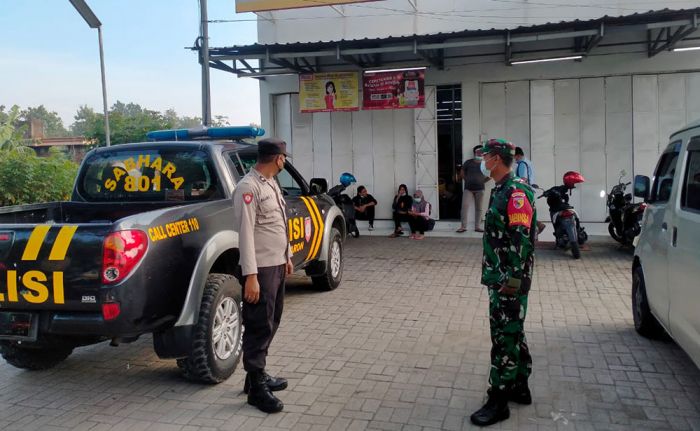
x,y
280,164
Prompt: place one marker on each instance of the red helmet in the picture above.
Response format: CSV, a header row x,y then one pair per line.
x,y
572,178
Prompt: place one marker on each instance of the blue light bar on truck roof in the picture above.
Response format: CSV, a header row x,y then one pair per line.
x,y
231,132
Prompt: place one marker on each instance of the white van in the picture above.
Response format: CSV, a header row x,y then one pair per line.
x,y
666,269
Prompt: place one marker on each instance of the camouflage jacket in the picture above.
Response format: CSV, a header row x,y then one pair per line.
x,y
509,235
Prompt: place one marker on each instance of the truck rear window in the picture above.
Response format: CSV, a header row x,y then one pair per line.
x,y
149,175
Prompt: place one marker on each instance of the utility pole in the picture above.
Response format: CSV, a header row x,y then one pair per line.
x,y
204,60
104,87
93,22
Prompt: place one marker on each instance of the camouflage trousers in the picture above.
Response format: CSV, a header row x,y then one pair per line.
x,y
510,357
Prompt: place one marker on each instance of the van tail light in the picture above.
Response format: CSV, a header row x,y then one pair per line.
x,y
110,310
122,251
566,214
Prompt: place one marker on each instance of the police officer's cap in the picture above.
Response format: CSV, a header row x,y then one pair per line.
x,y
272,147
498,147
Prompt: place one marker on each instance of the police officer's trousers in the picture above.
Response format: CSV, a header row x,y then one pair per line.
x,y
261,320
510,357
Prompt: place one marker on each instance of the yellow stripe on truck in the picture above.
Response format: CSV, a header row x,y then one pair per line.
x,y
319,238
36,239
60,246
309,256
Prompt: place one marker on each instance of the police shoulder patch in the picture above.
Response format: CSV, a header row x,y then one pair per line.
x,y
519,209
247,198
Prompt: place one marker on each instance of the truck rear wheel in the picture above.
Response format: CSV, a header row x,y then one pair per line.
x,y
334,264
217,338
40,358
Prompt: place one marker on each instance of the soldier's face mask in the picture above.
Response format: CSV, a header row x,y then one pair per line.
x,y
485,170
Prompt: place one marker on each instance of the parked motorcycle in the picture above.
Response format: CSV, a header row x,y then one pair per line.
x,y
624,221
568,231
344,202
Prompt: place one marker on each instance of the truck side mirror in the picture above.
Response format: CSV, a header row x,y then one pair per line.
x,y
642,186
318,186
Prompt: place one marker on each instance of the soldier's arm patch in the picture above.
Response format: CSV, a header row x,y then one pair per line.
x,y
519,210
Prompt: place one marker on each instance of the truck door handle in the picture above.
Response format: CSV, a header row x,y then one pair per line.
x,y
664,226
675,236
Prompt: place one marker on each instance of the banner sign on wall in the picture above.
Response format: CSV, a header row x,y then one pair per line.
x,y
329,92
393,90
263,5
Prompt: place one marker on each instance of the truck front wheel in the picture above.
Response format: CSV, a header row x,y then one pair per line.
x,y
39,358
334,264
218,335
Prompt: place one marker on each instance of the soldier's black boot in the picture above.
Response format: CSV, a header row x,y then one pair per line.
x,y
260,395
495,409
520,393
274,383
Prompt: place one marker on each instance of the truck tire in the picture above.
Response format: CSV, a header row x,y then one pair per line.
x,y
334,267
217,338
34,358
644,321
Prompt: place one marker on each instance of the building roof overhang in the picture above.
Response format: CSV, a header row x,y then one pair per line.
x,y
654,32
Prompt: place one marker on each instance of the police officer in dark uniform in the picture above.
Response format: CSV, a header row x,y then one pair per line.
x,y
260,219
509,237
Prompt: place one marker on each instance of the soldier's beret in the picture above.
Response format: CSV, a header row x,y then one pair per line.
x,y
498,146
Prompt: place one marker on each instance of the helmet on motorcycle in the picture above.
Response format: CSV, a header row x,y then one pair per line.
x,y
572,178
346,178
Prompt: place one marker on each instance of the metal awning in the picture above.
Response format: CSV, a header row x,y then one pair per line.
x,y
654,31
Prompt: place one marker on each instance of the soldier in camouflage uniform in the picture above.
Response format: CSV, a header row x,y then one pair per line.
x,y
510,227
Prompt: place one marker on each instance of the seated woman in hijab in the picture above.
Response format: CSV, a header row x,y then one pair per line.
x,y
419,216
400,207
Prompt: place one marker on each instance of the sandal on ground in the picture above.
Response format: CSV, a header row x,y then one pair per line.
x,y
479,230
460,230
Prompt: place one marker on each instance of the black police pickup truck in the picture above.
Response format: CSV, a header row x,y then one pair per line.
x,y
145,245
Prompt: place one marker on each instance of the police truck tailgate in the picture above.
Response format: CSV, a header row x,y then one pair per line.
x,y
51,266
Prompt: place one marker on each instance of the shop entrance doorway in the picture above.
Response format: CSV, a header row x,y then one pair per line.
x,y
449,137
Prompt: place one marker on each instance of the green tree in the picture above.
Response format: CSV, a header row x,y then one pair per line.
x,y
128,122
26,178
11,132
53,125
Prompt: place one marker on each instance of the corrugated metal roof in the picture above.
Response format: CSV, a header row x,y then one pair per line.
x,y
635,18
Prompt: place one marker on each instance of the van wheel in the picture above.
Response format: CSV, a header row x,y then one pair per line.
x,y
217,338
334,264
644,322
41,358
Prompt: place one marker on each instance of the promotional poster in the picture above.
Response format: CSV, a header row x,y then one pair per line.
x,y
394,90
329,92
266,5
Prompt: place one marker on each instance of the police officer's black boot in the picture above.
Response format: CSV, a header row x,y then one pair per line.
x,y
495,409
520,393
260,395
274,383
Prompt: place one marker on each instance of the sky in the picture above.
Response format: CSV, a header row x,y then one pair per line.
x,y
50,56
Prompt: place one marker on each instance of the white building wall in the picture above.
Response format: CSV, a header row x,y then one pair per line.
x,y
598,116
407,17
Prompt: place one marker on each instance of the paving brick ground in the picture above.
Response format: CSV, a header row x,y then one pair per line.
x,y
402,345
